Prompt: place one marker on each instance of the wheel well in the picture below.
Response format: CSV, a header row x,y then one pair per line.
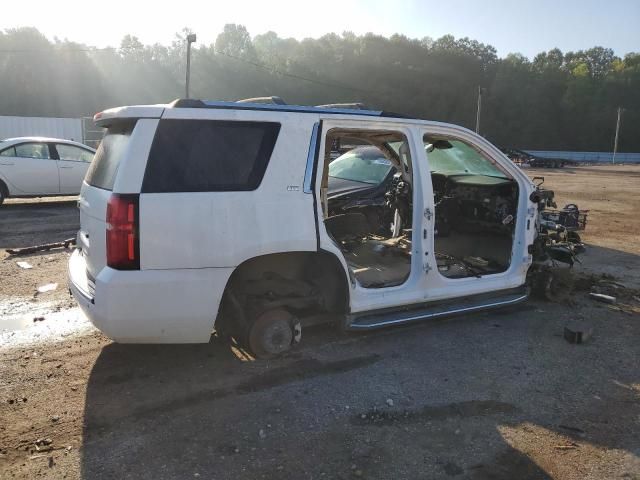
x,y
4,189
308,281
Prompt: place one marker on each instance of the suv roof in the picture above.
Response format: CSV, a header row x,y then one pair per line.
x,y
263,103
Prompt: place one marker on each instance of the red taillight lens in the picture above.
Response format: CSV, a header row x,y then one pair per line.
x,y
123,246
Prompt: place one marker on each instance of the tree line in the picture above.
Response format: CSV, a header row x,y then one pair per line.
x,y
557,101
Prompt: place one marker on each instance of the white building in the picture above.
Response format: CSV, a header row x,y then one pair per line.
x,y
67,128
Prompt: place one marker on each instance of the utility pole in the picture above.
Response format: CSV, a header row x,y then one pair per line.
x,y
479,109
190,39
615,141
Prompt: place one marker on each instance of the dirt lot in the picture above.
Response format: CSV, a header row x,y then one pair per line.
x,y
488,396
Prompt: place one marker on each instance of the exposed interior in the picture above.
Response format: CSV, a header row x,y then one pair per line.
x,y
476,203
366,194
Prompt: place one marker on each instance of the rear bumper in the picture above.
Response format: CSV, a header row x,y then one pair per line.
x,y
150,306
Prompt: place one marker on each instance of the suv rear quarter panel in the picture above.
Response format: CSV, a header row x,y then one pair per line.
x,y
132,166
223,229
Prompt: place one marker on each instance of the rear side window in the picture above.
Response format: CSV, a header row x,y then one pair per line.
x,y
71,152
33,150
103,169
209,155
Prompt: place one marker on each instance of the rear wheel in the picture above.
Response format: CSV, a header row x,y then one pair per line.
x,y
3,192
273,333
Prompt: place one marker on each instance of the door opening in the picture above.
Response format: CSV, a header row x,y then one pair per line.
x,y
366,194
476,204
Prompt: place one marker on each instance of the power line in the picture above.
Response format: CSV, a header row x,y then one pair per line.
x,y
299,77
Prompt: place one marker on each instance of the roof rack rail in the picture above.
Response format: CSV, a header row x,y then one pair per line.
x,y
186,103
347,106
274,100
277,104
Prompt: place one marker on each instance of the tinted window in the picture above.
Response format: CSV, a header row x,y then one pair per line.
x,y
71,152
103,169
32,150
204,155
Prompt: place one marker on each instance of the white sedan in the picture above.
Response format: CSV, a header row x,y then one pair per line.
x,y
38,166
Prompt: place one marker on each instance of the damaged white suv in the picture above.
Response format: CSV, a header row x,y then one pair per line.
x,y
228,216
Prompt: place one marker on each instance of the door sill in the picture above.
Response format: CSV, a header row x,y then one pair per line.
x,y
388,317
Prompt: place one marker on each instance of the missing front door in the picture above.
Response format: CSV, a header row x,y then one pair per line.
x,y
476,204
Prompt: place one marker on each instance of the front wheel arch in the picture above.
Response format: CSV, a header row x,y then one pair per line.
x,y
4,191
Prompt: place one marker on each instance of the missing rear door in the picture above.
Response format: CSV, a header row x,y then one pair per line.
x,y
366,195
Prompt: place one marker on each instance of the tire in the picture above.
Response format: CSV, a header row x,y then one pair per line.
x,y
556,285
273,333
3,192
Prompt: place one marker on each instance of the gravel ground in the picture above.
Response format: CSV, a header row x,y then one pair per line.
x,y
496,395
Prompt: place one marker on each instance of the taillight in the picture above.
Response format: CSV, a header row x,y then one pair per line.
x,y
123,242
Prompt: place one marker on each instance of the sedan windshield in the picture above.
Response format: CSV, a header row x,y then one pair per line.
x,y
363,164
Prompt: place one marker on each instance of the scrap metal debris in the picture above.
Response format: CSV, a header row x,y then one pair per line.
x,y
41,248
558,240
600,297
49,287
44,445
569,446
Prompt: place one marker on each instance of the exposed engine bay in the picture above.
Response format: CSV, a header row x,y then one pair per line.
x,y
558,239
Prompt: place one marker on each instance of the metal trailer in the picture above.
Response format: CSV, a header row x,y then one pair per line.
x,y
586,157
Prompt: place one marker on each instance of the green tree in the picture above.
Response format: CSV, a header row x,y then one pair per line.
x,y
235,41
556,101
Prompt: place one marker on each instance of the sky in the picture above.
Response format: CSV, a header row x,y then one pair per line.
x,y
522,26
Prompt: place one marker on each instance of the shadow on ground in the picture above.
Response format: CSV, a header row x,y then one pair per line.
x,y
23,224
488,396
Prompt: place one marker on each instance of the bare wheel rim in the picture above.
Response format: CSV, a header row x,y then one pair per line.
x,y
272,333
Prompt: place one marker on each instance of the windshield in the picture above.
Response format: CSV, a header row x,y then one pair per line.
x,y
456,157
365,165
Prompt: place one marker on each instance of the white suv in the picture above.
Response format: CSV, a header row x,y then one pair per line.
x,y
199,215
